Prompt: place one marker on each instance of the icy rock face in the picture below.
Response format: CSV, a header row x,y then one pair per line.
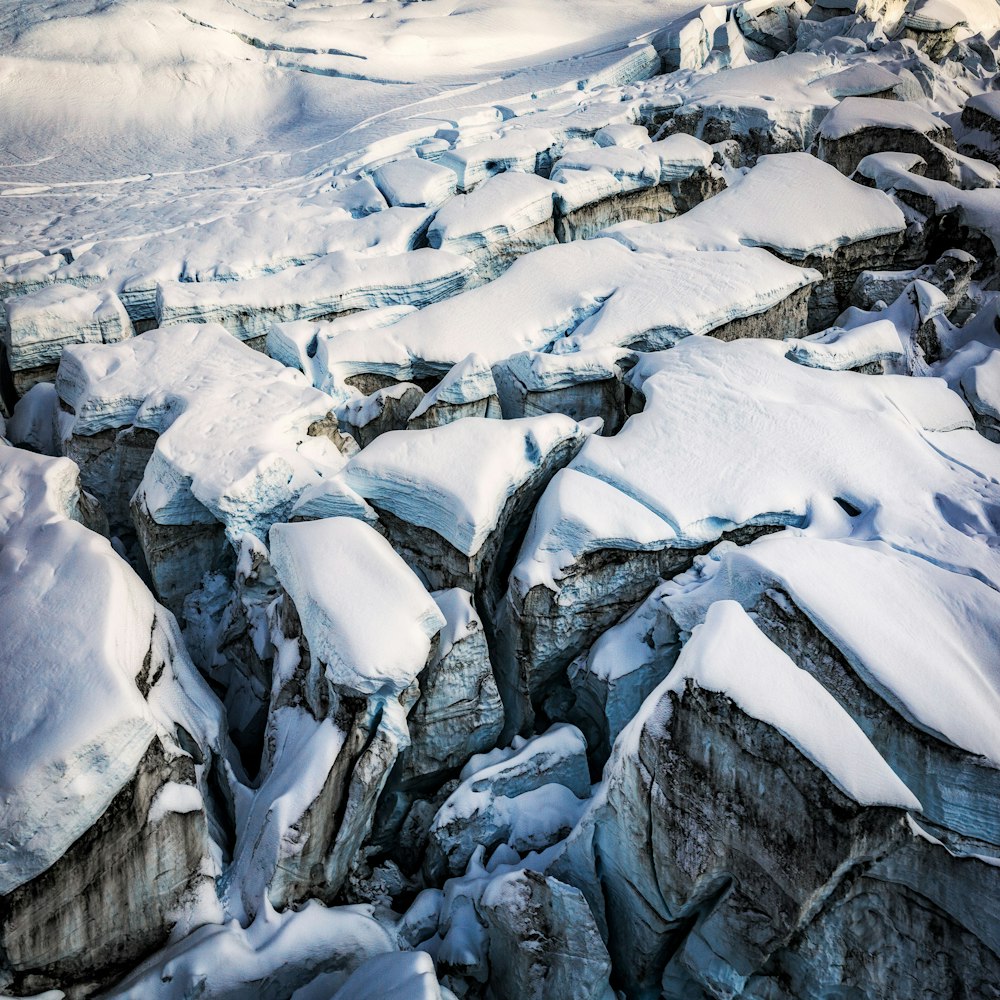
x,y
859,126
353,632
109,740
202,452
459,712
40,325
453,499
527,797
543,941
736,730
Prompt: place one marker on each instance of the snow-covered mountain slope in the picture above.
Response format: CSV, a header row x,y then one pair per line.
x,y
500,499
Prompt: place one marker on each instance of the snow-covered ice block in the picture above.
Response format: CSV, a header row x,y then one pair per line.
x,y
800,208
506,216
40,325
933,727
229,439
399,975
584,384
92,714
859,126
528,799
522,149
738,717
793,204
415,182
367,619
837,349
386,409
336,283
468,390
683,473
594,293
981,387
447,494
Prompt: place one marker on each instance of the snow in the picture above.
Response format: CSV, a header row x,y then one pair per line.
x,y
456,479
399,975
276,952
366,616
570,297
232,424
792,203
69,737
935,15
837,349
468,381
727,653
335,283
854,114
35,421
845,588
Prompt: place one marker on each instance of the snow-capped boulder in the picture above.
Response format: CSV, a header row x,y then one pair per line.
x,y
201,436
527,797
40,325
543,941
110,742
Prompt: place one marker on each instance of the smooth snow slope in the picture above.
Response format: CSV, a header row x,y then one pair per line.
x,y
160,113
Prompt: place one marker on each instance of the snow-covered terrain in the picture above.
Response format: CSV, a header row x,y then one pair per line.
x,y
500,500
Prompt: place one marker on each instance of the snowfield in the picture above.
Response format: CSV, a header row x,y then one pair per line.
x,y
500,500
